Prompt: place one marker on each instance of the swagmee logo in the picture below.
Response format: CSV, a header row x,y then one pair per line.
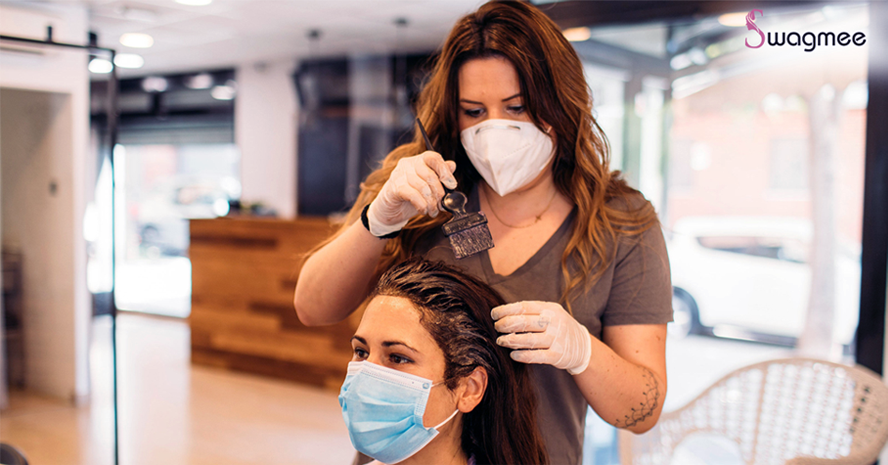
x,y
809,40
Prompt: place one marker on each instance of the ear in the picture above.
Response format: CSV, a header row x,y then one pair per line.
x,y
472,389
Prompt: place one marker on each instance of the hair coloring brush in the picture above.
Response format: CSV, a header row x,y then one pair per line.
x,y
468,232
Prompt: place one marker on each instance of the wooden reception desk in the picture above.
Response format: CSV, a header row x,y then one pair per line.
x,y
243,274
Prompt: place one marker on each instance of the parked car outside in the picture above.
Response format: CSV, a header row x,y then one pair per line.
x,y
162,218
750,276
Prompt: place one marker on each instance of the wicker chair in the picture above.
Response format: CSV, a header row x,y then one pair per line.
x,y
793,411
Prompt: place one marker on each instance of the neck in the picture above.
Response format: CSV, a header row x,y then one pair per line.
x,y
523,205
445,449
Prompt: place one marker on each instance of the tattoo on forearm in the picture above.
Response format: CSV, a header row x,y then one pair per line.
x,y
645,409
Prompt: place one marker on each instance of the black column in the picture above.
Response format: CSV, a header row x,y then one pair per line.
x,y
874,260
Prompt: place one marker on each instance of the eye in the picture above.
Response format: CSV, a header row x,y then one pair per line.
x,y
399,359
472,112
360,354
517,109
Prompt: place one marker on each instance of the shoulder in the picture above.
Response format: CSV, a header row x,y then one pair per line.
x,y
627,200
635,223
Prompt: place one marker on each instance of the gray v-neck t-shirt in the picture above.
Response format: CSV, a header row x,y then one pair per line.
x,y
634,289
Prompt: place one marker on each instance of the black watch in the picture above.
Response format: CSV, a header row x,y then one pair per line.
x,y
366,223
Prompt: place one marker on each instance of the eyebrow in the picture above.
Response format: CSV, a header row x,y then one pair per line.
x,y
479,103
385,344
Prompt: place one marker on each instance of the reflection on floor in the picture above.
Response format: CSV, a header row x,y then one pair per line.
x,y
161,286
174,413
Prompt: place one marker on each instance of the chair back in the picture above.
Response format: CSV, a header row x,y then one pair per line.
x,y
776,411
10,455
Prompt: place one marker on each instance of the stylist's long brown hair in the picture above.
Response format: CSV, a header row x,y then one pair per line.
x,y
455,310
554,91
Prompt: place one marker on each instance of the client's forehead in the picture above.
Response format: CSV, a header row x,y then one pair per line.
x,y
389,318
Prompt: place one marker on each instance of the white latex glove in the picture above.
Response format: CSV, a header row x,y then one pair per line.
x,y
414,187
543,332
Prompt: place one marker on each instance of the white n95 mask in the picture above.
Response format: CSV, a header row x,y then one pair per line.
x,y
507,154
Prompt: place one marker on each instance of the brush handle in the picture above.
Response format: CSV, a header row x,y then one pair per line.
x,y
425,135
454,201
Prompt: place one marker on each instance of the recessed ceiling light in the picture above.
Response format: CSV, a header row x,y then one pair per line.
x,y
226,92
100,66
154,84
577,34
129,60
136,40
733,19
199,81
194,2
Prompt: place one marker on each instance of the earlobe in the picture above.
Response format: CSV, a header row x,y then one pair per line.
x,y
473,388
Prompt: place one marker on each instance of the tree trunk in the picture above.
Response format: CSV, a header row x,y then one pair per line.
x,y
824,110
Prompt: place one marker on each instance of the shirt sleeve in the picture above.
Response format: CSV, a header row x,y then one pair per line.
x,y
641,290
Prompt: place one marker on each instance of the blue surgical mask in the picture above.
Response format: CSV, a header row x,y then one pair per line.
x,y
383,410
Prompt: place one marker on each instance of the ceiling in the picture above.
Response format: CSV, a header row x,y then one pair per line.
x,y
228,33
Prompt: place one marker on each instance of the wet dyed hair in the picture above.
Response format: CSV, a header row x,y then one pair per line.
x,y
455,309
554,91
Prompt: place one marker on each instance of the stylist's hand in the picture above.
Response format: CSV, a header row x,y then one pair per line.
x,y
543,332
414,187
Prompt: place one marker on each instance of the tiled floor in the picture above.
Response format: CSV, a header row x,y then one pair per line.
x,y
172,412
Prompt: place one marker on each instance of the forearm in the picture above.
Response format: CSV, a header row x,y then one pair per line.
x,y
335,280
624,394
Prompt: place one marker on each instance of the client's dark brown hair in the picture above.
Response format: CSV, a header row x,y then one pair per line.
x,y
455,309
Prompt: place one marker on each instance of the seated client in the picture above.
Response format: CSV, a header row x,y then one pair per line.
x,y
428,384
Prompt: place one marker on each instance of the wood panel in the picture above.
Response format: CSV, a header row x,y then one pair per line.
x,y
244,272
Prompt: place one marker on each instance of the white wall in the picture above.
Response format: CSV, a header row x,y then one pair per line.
x,y
265,119
44,119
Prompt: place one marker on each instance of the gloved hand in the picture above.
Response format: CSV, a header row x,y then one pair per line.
x,y
413,187
543,332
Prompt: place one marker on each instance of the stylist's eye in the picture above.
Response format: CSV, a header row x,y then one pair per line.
x,y
360,354
397,359
472,112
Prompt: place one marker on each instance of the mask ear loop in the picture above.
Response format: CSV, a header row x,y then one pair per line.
x,y
448,419
451,415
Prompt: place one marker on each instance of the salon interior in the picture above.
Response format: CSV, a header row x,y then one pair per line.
x,y
166,164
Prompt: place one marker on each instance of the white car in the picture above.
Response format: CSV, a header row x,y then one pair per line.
x,y
162,218
749,278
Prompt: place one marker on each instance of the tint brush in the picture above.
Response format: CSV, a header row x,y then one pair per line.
x,y
468,232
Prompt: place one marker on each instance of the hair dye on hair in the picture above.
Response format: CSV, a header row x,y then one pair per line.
x,y
455,309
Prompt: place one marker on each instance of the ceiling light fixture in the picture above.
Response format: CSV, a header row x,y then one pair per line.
x,y
129,61
194,2
733,19
100,66
154,84
199,81
136,40
577,34
226,92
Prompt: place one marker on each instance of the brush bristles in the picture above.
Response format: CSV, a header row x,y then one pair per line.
x,y
471,241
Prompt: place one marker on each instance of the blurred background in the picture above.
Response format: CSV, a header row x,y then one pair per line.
x,y
244,129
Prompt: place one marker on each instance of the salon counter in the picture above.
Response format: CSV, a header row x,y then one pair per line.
x,y
243,274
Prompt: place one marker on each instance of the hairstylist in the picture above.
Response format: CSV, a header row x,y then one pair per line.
x,y
578,253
